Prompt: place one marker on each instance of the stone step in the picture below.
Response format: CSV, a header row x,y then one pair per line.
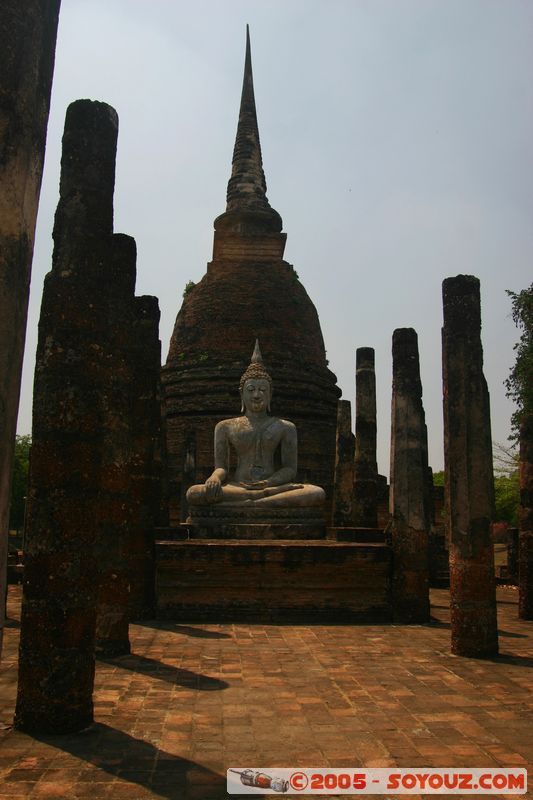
x,y
172,533
361,535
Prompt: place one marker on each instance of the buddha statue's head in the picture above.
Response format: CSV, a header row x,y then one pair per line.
x,y
255,384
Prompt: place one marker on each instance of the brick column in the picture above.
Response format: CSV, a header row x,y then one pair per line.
x,y
115,511
525,547
469,476
366,469
145,492
56,665
28,39
344,467
408,500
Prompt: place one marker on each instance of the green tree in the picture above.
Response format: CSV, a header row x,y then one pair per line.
x,y
520,381
19,487
507,498
506,482
189,286
438,478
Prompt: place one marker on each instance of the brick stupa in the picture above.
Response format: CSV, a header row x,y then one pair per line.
x,y
248,292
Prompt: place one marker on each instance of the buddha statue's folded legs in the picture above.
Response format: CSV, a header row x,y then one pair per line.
x,y
295,495
303,495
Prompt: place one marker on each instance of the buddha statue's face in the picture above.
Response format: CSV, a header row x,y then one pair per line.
x,y
256,395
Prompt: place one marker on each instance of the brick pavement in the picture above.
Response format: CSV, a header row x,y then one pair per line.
x,y
192,700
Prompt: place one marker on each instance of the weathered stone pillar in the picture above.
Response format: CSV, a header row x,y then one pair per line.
x,y
344,467
469,476
525,547
28,38
145,490
408,484
115,510
366,468
56,666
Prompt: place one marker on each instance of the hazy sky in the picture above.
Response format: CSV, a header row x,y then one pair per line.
x,y
397,140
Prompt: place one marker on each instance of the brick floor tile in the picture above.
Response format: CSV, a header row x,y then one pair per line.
x,y
17,789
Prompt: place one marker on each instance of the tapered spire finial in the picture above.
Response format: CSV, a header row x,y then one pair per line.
x,y
246,195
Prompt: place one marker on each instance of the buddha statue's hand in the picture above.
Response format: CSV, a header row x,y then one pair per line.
x,y
286,487
251,485
213,488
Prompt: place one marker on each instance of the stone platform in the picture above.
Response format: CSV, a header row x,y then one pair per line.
x,y
273,580
260,530
259,522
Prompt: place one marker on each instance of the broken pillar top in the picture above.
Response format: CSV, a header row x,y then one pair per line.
x,y
461,301
364,358
248,209
406,337
405,361
87,182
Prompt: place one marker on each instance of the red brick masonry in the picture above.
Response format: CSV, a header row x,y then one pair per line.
x,y
192,700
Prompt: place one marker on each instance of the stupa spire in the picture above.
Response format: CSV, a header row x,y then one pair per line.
x,y
246,195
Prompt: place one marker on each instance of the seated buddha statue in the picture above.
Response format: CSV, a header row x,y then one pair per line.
x,y
255,437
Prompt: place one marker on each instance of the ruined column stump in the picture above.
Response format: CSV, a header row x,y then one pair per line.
x,y
130,490
146,467
114,513
525,547
28,38
469,475
86,506
344,467
56,665
365,467
408,484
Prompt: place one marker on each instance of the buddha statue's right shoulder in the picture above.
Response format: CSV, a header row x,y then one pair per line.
x,y
227,425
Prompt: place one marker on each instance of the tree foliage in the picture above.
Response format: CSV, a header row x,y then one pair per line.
x,y
506,482
438,478
519,384
189,286
19,487
507,497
